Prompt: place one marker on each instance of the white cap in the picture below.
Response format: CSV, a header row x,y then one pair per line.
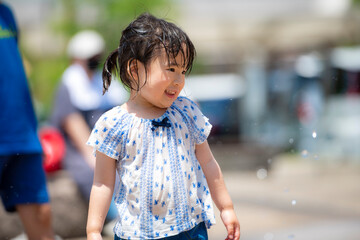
x,y
85,45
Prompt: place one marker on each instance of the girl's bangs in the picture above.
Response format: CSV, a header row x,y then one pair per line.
x,y
185,48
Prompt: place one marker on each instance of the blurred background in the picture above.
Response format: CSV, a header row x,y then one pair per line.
x,y
280,82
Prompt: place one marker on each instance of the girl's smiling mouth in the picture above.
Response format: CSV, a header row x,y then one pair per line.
x,y
170,93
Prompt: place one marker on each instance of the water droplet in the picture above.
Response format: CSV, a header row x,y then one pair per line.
x,y
286,190
291,236
269,236
269,161
304,153
261,173
316,157
314,134
291,140
293,202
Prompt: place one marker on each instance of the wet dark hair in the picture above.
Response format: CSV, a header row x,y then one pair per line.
x,y
143,40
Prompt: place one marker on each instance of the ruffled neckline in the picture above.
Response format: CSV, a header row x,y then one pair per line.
x,y
164,115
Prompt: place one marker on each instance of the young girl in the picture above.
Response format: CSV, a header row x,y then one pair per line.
x,y
156,142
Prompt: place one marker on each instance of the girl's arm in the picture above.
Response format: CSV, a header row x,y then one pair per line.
x,y
101,195
218,190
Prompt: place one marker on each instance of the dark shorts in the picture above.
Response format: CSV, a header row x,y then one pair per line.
x,y
22,180
199,232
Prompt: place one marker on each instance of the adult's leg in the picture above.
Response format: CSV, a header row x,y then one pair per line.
x,y
23,189
36,219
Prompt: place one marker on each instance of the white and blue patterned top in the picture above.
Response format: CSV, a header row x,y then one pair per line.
x,y
162,189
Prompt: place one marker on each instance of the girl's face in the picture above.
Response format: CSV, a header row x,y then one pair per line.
x,y
165,80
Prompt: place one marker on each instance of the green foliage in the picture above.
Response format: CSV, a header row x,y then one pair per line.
x,y
67,25
116,15
110,18
44,77
356,2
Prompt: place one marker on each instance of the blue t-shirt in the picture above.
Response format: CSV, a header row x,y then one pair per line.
x,y
18,124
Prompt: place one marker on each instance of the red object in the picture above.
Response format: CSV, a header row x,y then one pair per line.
x,y
53,145
305,112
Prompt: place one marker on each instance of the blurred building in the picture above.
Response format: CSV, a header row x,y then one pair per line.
x,y
223,30
290,71
226,31
247,55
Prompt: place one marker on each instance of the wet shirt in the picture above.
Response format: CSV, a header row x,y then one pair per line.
x,y
162,189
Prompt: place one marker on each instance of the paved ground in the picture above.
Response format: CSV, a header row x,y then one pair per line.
x,y
300,198
290,198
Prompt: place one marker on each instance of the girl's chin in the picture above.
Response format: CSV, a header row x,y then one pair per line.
x,y
168,103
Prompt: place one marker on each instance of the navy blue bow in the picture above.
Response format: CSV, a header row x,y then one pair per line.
x,y
163,123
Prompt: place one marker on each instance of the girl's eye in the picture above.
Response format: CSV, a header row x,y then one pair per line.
x,y
171,69
183,72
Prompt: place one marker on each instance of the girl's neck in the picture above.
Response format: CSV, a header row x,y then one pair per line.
x,y
143,110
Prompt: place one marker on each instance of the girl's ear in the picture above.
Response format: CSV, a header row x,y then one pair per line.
x,y
132,69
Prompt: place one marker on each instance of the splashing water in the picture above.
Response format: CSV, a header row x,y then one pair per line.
x,y
314,134
293,202
261,173
304,153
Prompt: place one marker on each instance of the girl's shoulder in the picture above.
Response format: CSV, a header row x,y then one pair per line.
x,y
116,111
112,116
184,102
192,116
186,106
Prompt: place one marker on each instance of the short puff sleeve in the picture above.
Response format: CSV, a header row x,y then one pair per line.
x,y
107,136
199,124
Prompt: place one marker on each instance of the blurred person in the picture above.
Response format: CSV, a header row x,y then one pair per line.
x,y
79,103
156,143
280,84
308,98
22,178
